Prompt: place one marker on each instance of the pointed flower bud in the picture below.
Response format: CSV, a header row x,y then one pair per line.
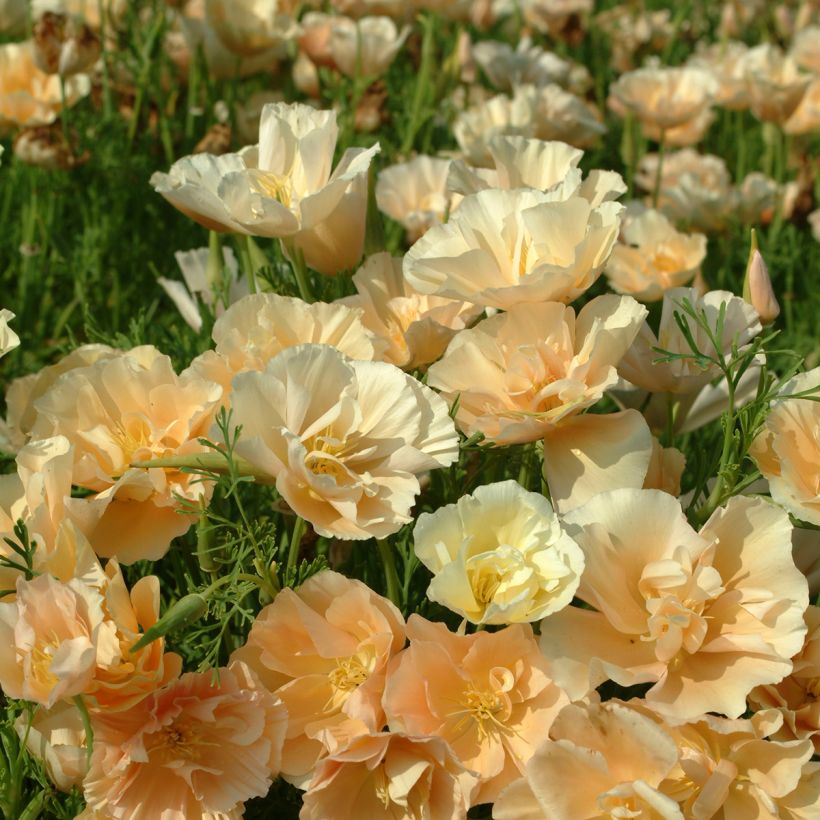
x,y
757,286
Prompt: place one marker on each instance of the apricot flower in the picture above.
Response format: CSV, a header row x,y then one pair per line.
x,y
601,760
344,440
654,257
195,749
489,695
324,649
119,411
365,47
787,450
498,556
260,326
705,617
521,373
501,248
416,327
390,774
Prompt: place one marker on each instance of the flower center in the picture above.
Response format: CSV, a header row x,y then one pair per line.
x,y
481,709
349,674
274,186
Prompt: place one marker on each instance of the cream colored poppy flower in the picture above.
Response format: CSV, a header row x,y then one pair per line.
x,y
806,49
197,749
687,376
498,556
489,695
365,47
119,411
249,27
531,163
653,257
527,64
521,373
28,96
696,189
8,338
774,82
787,450
502,248
324,649
600,760
416,327
415,194
806,117
260,326
665,97
724,60
284,188
56,737
344,440
704,617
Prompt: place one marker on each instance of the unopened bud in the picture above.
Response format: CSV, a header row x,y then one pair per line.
x,y
185,611
306,75
757,286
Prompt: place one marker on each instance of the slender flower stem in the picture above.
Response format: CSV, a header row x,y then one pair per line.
x,y
300,271
89,732
299,528
659,172
390,573
212,462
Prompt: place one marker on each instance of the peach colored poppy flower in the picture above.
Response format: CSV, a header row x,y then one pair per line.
x,y
653,257
48,639
8,338
502,248
23,392
414,193
498,556
797,697
119,411
787,450
390,775
724,61
664,98
259,326
489,695
416,327
323,649
523,372
344,440
28,96
197,749
736,768
677,608
686,376
601,760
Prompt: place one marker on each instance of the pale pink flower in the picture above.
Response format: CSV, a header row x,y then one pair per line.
x,y
774,82
344,440
601,760
489,695
197,749
390,774
365,47
677,608
324,649
251,27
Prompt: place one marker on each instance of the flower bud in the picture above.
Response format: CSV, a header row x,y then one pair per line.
x,y
185,611
306,75
757,286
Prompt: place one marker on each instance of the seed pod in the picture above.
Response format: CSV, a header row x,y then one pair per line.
x,y
185,611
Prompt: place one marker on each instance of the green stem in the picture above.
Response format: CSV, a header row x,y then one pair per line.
x,y
89,731
212,462
659,171
299,528
716,496
64,112
422,85
390,573
300,271
108,105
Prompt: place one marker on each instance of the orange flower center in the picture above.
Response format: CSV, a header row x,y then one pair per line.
x,y
481,709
